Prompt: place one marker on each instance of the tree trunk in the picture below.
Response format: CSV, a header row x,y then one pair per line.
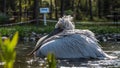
x,y
4,6
56,10
36,11
99,8
73,5
87,8
20,10
62,8
90,9
12,5
77,10
25,11
50,9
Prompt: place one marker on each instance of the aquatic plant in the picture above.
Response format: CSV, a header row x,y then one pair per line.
x,y
8,53
51,60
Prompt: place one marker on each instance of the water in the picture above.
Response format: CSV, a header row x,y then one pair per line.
x,y
23,61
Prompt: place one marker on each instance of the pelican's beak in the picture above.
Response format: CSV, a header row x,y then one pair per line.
x,y
55,31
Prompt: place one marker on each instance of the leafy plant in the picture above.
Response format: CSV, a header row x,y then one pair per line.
x,y
69,12
8,53
51,61
25,30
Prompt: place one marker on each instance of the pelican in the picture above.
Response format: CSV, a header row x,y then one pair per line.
x,y
67,42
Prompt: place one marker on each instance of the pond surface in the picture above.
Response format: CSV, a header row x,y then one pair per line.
x,y
23,61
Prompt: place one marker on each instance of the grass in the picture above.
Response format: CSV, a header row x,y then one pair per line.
x,y
25,30
99,29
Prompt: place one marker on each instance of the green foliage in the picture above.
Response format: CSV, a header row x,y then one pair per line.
x,y
96,19
51,61
98,29
3,18
45,4
68,12
25,30
8,53
79,17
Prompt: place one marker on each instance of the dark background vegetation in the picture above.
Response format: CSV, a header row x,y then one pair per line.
x,y
83,10
100,16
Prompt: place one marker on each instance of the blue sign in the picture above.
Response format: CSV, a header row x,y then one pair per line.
x,y
44,10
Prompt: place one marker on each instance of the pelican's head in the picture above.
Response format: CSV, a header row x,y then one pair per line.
x,y
65,23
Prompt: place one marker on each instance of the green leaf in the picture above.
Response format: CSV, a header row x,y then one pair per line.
x,y
14,41
49,57
51,60
8,53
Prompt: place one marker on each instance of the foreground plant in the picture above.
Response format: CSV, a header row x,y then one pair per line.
x,y
8,53
51,61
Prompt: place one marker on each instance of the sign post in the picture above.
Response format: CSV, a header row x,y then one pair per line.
x,y
44,11
45,23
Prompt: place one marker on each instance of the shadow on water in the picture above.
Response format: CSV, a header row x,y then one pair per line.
x,y
23,61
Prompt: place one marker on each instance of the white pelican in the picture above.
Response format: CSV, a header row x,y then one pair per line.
x,y
67,42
